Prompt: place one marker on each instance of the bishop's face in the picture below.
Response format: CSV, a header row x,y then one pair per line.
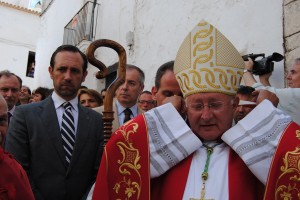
x,y
210,114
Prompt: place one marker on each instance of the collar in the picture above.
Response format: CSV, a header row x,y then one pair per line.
x,y
120,108
12,110
58,101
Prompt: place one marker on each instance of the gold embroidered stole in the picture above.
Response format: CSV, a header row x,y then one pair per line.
x,y
284,176
124,169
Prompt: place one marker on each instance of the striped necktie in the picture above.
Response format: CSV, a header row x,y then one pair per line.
x,y
68,131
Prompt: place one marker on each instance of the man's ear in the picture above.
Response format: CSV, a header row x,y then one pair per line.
x,y
50,70
236,101
154,92
142,88
84,75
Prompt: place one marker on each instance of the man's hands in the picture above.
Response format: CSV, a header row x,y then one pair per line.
x,y
260,95
248,76
178,102
249,64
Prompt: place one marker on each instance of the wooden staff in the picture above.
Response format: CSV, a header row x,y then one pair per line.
x,y
108,113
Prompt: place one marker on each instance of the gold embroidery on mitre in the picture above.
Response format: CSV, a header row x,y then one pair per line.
x,y
201,46
180,82
288,183
222,78
298,134
234,80
203,58
203,33
196,79
186,82
129,166
207,62
210,78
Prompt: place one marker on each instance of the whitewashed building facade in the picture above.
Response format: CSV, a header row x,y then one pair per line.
x,y
150,31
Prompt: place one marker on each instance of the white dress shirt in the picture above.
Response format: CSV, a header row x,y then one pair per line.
x,y
58,101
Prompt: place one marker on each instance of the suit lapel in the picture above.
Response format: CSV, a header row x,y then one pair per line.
x,y
116,123
140,111
48,116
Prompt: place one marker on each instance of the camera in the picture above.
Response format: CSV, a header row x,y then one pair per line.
x,y
265,64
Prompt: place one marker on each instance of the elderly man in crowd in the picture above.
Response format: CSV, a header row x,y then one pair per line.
x,y
125,105
288,97
10,85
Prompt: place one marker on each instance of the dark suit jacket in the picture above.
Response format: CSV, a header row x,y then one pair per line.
x,y
35,141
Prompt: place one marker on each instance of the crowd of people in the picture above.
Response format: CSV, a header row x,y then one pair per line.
x,y
195,135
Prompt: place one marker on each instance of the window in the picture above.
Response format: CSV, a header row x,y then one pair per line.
x,y
35,4
30,64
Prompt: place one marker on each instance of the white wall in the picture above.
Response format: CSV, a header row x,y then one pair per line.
x,y
19,32
159,28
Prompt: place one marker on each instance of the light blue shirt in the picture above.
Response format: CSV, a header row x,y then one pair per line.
x,y
120,110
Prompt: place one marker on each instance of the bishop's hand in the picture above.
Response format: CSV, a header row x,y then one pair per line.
x,y
178,102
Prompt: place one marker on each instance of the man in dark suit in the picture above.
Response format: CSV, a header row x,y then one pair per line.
x,y
10,86
126,97
60,155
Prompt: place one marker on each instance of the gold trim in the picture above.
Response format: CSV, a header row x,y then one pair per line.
x,y
129,165
298,134
202,33
204,58
287,185
201,46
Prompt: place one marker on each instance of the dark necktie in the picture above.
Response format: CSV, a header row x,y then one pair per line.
x,y
127,113
68,131
9,115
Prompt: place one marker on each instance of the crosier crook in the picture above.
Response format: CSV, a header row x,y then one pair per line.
x,y
108,113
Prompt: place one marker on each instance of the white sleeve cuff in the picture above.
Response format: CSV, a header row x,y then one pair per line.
x,y
170,139
255,137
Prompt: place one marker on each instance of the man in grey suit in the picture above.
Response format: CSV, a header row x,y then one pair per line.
x,y
60,148
126,97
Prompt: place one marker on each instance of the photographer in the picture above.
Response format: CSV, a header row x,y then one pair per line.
x,y
288,97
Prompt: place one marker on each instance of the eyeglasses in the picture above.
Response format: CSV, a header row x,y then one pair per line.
x,y
213,106
145,101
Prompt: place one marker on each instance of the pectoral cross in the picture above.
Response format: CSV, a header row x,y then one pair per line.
x,y
202,194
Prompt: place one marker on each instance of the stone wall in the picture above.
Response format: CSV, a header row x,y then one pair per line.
x,y
291,30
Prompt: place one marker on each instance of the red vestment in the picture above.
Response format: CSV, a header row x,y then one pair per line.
x,y
14,184
124,171
284,175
